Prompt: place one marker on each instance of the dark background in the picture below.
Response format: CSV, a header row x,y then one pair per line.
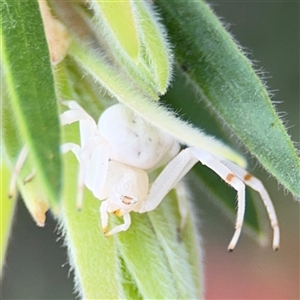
x,y
36,265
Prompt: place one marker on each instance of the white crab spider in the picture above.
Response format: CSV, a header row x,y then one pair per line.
x,y
116,155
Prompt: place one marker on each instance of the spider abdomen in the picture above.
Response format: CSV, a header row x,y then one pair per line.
x,y
131,139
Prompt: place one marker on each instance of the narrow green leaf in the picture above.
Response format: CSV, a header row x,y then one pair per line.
x,y
182,244
174,255
86,90
139,246
30,89
33,193
158,254
218,70
136,27
92,257
157,49
120,20
98,48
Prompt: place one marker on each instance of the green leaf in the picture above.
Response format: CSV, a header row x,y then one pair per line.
x,y
157,49
217,69
137,29
94,45
86,91
121,21
31,92
92,257
33,193
175,261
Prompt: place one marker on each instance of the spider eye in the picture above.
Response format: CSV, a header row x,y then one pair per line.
x,y
128,200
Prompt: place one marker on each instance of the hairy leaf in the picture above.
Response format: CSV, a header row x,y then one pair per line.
x,y
30,91
218,70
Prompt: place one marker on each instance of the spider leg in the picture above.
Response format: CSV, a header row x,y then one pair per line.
x,y
122,227
94,160
104,216
257,185
228,176
177,169
19,164
87,125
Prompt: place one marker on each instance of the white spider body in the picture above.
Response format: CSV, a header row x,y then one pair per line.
x,y
132,140
116,155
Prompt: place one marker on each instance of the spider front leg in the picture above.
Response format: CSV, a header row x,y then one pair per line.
x,y
87,128
178,168
93,154
104,211
87,125
93,162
